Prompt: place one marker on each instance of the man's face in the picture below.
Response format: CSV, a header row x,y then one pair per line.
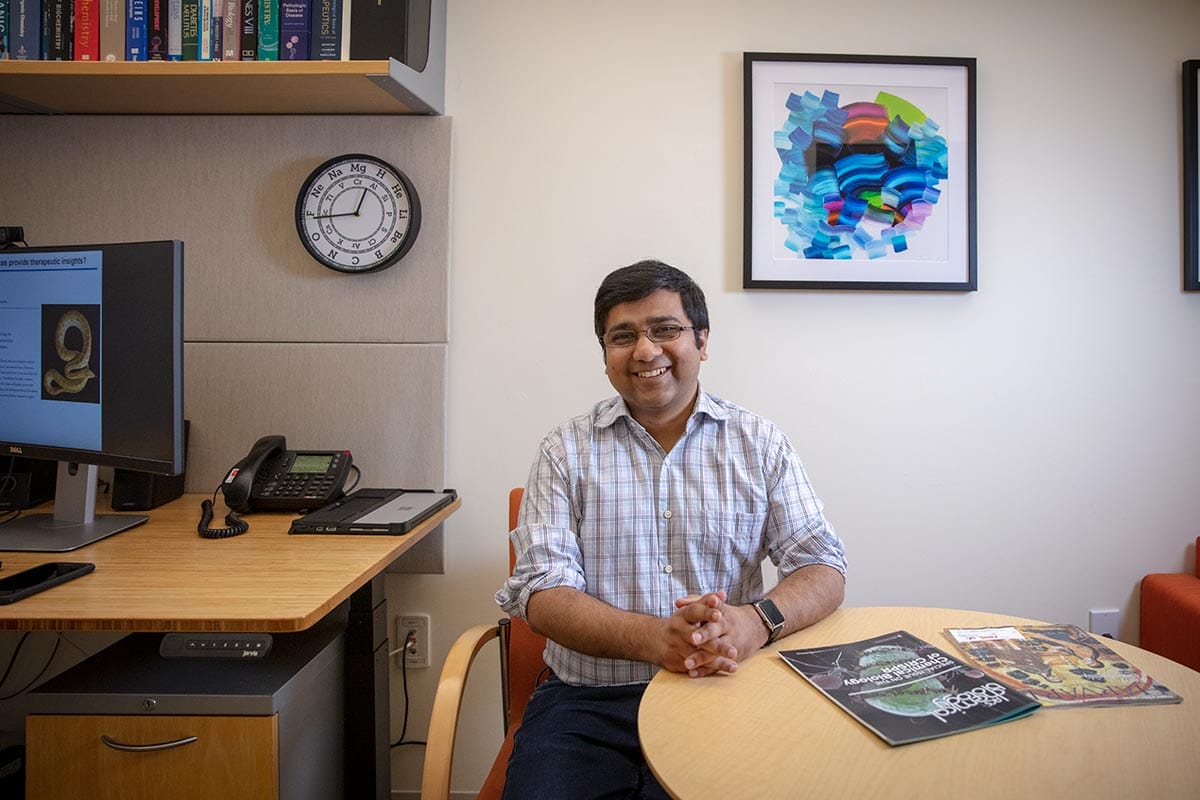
x,y
657,380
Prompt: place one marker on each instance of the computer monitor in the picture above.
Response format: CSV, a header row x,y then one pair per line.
x,y
91,375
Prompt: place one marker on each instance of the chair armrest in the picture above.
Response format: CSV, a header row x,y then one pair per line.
x,y
447,704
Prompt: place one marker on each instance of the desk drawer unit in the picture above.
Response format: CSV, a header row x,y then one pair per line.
x,y
202,758
120,724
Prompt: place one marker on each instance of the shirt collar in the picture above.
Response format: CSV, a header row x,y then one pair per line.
x,y
615,408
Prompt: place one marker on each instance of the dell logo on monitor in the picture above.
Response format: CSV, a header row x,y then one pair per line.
x,y
15,450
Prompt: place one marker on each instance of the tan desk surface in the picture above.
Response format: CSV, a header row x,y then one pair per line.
x,y
162,576
766,733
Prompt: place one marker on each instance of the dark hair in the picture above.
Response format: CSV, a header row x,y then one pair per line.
x,y
639,281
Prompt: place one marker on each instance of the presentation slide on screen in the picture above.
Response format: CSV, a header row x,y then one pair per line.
x,y
50,366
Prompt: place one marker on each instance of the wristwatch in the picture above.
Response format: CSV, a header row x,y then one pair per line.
x,y
771,618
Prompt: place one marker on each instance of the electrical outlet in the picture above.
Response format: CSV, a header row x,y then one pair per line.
x,y
415,654
1105,622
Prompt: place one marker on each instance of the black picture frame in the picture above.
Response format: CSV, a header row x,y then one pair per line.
x,y
848,185
1191,176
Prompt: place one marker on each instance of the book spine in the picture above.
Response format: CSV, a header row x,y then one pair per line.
x,y
347,7
135,30
112,30
157,30
379,30
174,30
4,39
293,30
87,31
268,30
249,25
57,36
217,51
231,29
190,30
26,29
204,40
326,39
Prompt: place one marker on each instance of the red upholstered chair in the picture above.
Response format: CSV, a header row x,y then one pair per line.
x,y
521,668
1170,614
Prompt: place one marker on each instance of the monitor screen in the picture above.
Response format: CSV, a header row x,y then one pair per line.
x,y
91,355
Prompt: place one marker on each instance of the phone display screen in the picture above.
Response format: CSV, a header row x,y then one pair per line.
x,y
309,464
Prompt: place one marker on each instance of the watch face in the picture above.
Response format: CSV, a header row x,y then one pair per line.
x,y
357,213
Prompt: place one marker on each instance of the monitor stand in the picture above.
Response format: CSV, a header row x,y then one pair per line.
x,y
74,522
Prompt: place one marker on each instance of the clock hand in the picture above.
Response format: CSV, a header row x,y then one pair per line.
x,y
343,214
361,197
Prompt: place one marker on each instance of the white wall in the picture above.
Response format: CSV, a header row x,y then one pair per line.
x,y
1030,448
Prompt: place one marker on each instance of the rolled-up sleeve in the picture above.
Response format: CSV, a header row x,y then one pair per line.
x,y
545,542
798,534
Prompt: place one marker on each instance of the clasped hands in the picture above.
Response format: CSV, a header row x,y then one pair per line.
x,y
706,635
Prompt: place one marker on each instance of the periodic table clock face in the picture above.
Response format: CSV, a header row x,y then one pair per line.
x,y
357,213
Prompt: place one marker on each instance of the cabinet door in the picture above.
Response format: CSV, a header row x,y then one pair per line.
x,y
232,757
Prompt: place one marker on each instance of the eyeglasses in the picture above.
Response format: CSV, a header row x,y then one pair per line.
x,y
627,337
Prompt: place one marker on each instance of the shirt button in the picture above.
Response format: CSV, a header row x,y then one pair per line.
x,y
666,515
667,569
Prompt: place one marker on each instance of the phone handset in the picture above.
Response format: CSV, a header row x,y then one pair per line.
x,y
240,480
236,488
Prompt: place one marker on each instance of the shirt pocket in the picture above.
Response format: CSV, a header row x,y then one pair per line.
x,y
728,549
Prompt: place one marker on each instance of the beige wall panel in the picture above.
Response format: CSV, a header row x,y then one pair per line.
x,y
384,403
227,186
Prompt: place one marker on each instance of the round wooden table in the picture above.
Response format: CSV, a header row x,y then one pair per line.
x,y
766,733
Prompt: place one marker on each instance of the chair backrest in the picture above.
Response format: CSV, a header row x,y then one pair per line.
x,y
525,664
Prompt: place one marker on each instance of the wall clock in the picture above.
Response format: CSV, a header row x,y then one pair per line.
x,y
357,213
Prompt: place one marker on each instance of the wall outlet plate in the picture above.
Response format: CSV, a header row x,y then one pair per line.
x,y
1105,622
418,625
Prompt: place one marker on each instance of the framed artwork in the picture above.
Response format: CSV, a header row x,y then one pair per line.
x,y
1191,183
859,172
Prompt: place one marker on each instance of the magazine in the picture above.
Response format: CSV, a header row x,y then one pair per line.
x,y
905,690
1059,665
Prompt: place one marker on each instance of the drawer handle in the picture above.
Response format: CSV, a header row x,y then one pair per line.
x,y
142,748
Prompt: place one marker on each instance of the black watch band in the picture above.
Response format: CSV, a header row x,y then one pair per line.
x,y
768,612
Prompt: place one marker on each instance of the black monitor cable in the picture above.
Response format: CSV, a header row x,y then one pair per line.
x,y
17,651
403,651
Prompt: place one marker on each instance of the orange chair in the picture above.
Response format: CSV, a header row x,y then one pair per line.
x,y
521,668
1170,614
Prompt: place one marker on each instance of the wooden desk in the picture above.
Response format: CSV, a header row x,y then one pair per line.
x,y
162,576
766,733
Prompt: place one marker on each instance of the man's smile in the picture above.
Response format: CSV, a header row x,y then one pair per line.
x,y
651,373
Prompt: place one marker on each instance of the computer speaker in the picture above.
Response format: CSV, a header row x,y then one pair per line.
x,y
142,491
26,483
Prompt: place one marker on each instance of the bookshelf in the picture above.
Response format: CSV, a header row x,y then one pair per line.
x,y
236,87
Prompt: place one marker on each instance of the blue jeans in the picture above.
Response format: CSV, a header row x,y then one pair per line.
x,y
580,743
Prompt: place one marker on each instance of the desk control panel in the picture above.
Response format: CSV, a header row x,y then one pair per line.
x,y
215,645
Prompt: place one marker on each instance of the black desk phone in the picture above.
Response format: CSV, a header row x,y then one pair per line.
x,y
273,478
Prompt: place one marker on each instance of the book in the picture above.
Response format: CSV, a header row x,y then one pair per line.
x,y
174,30
4,16
157,30
216,50
135,30
249,31
189,30
1059,665
231,31
293,30
378,29
904,689
268,30
25,34
325,41
57,36
204,20
112,30
87,31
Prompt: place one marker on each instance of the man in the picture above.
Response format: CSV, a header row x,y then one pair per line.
x,y
640,543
